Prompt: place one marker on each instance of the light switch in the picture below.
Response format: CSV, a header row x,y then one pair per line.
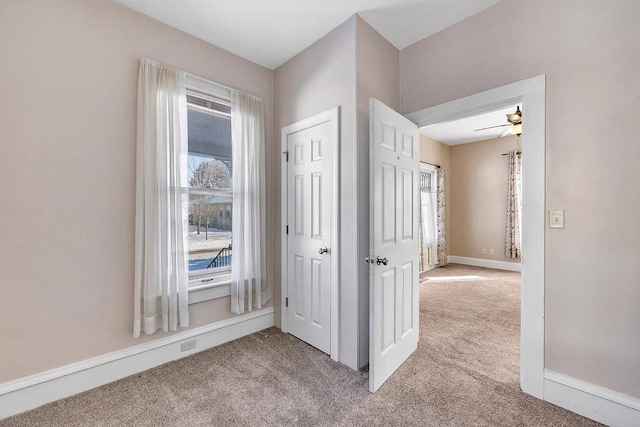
x,y
556,219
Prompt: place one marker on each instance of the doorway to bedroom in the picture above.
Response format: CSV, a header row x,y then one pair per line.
x,y
470,252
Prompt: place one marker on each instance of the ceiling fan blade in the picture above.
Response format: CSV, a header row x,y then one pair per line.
x,y
491,127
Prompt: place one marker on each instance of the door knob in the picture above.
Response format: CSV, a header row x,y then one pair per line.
x,y
323,250
381,261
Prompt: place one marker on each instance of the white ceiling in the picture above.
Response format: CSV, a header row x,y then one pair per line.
x,y
270,32
464,130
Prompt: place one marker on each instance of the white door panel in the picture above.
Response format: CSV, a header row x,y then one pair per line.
x,y
394,251
310,172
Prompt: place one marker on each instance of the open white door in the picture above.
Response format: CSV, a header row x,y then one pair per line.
x,y
394,251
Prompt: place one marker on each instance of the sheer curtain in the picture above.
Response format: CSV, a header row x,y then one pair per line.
x,y
430,254
161,272
248,268
512,245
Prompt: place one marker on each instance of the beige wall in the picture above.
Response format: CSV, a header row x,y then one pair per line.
x,y
68,81
478,203
320,78
588,51
378,76
437,153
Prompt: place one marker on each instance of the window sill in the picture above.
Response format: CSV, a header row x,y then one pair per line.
x,y
220,287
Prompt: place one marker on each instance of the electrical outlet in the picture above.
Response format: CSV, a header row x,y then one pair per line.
x,y
188,345
491,251
484,251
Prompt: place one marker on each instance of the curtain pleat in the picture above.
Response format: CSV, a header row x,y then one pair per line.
x,y
512,244
161,266
248,268
441,223
421,263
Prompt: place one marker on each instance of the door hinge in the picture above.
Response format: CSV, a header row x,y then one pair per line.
x,y
286,302
287,154
287,229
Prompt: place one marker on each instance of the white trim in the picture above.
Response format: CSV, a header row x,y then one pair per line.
x,y
427,167
206,293
592,401
30,392
530,94
473,105
487,263
213,88
332,116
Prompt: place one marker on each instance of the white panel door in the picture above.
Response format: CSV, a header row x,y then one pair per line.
x,y
394,251
309,216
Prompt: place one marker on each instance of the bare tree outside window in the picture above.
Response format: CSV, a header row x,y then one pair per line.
x,y
207,174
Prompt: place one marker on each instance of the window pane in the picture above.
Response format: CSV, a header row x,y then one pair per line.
x,y
208,173
210,196
210,139
209,230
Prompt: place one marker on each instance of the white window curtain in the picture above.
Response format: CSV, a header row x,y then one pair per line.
x,y
512,244
161,266
248,267
430,237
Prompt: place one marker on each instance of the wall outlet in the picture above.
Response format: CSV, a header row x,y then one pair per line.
x,y
491,251
484,251
188,345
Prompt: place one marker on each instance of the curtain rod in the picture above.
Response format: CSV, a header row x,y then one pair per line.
x,y
432,164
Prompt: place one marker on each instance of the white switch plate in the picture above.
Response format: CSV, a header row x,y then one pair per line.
x,y
556,219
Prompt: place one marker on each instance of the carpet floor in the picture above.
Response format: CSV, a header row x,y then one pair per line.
x,y
464,373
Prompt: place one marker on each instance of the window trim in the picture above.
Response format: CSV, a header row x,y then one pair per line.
x,y
215,284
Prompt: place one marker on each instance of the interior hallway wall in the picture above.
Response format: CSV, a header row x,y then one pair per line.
x,y
68,80
588,51
346,67
478,201
322,77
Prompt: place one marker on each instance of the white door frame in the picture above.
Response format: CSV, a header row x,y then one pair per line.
x,y
332,116
530,94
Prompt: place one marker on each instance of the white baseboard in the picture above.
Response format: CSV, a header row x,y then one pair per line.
x,y
30,392
592,401
488,263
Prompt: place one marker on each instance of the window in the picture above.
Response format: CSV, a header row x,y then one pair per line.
x,y
210,170
425,182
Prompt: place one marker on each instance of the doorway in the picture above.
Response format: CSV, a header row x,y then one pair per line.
x,y
530,94
475,310
310,243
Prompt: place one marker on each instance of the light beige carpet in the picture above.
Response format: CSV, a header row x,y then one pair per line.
x,y
464,373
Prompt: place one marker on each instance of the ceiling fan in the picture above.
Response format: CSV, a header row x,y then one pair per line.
x,y
515,124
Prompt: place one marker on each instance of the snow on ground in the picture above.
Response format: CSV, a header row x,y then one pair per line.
x,y
204,247
213,242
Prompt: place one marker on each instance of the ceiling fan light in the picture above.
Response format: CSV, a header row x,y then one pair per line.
x,y
515,129
516,117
